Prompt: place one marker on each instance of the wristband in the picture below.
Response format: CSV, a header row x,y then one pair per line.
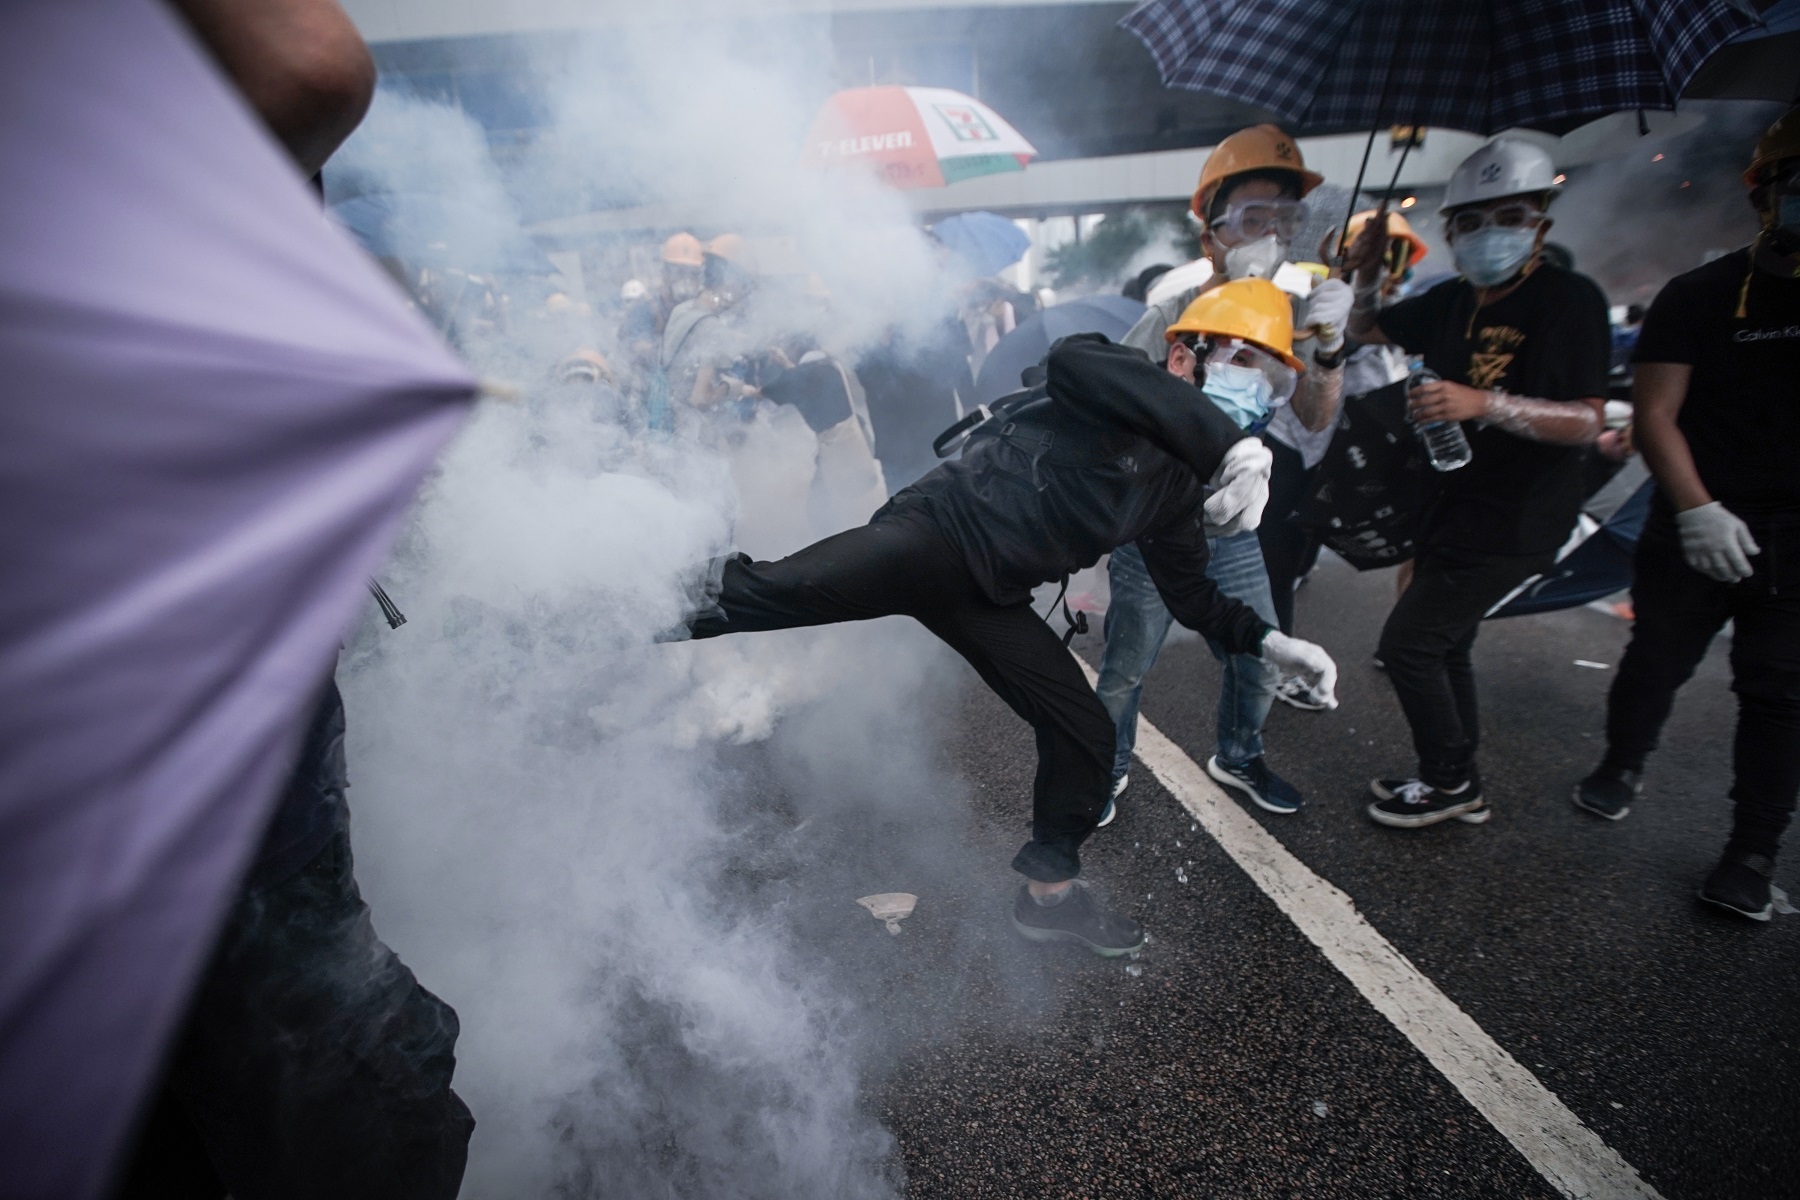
x,y
1335,359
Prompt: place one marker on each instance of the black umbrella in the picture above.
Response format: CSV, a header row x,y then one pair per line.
x,y
1027,345
1327,66
1761,65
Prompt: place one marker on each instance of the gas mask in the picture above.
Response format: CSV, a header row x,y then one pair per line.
x,y
1493,255
1242,393
1257,259
683,283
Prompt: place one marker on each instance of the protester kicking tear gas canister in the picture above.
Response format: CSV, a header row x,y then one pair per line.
x,y
1112,449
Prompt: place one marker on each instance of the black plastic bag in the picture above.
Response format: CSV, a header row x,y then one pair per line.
x,y
1364,505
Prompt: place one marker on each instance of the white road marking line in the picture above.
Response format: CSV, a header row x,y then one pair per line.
x,y
1529,1115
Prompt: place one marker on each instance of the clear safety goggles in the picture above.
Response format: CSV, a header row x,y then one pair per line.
x,y
1517,215
1248,220
1239,353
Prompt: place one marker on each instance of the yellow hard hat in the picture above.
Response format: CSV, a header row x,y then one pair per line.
x,y
1258,148
683,250
1253,309
1398,228
1781,140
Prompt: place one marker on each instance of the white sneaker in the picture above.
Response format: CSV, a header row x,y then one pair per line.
x,y
1299,693
1112,804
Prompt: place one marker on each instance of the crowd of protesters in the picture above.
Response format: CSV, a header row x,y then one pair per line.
x,y
1183,455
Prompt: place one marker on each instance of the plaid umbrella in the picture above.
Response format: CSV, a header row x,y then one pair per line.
x,y
1326,66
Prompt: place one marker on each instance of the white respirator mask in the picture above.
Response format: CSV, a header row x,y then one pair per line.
x,y
1258,259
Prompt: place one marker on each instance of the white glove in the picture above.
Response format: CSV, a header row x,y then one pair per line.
x,y
1328,311
1242,481
1306,660
1715,543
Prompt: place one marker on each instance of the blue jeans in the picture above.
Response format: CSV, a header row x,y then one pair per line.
x,y
1137,622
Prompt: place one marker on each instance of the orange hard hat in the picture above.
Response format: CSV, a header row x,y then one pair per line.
x,y
1780,141
585,366
1253,309
1258,148
683,250
1398,229
733,249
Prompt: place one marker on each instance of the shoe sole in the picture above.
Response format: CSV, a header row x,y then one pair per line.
x,y
1766,913
1302,705
1474,813
1598,812
1032,933
1225,778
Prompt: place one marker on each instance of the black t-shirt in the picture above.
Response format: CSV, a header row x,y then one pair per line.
x,y
1741,417
1548,340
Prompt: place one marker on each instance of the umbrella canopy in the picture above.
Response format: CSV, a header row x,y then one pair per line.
x,y
1763,64
1598,565
1326,66
914,137
439,231
987,242
217,411
1027,345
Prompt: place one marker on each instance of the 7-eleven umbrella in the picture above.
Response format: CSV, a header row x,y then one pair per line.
x,y
915,137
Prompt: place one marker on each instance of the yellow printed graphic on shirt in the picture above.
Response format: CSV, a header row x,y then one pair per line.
x,y
1488,364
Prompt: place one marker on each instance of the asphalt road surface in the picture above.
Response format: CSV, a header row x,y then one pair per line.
x,y
1233,1059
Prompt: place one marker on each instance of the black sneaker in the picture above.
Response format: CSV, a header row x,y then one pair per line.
x,y
1300,694
1077,918
1741,883
1413,803
1112,803
1263,787
1608,792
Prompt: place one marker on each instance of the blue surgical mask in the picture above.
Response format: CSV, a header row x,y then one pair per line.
x,y
1241,393
1493,255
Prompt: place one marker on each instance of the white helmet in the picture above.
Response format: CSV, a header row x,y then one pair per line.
x,y
1503,167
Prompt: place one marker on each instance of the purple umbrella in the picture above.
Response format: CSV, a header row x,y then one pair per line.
x,y
216,411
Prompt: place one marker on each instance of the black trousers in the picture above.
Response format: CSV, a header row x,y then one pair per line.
x,y
1289,551
1426,645
1679,611
903,564
312,1063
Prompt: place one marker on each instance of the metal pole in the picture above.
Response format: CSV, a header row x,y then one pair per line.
x,y
1387,78
1388,195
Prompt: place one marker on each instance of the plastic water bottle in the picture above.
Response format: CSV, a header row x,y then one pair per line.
x,y
1445,446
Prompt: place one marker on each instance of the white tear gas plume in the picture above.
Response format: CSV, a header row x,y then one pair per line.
x,y
544,826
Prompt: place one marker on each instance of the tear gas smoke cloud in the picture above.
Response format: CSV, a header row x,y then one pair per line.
x,y
543,827
1631,222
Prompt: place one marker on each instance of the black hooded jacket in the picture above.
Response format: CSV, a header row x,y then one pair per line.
x,y
1116,450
